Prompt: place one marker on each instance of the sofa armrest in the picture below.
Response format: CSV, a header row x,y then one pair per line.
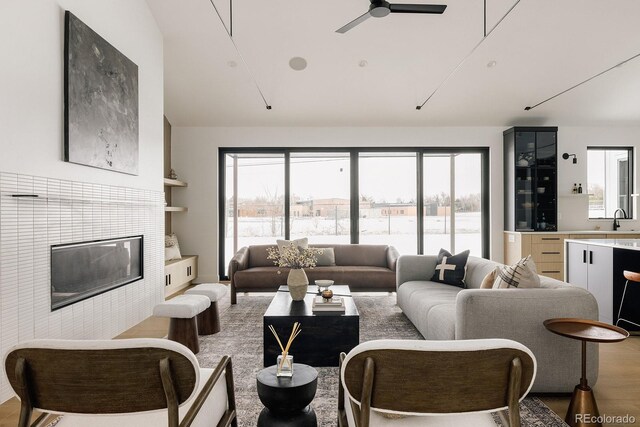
x,y
240,261
414,267
392,258
518,314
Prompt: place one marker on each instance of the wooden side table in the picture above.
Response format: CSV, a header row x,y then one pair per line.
x,y
287,399
583,400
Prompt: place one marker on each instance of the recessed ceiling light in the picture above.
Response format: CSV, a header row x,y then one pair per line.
x,y
363,63
232,64
491,64
298,63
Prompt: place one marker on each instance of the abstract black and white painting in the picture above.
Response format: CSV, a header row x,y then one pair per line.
x,y
101,101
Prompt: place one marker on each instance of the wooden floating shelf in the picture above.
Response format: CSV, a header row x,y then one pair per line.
x,y
174,183
175,209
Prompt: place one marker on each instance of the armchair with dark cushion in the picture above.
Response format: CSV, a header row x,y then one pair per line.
x,y
135,382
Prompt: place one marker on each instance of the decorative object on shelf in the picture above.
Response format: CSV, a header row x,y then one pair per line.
x,y
172,174
297,259
323,285
580,188
525,159
284,361
327,294
567,155
575,188
101,101
540,190
171,248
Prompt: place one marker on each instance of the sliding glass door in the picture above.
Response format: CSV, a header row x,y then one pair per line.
x,y
254,200
416,199
319,204
387,183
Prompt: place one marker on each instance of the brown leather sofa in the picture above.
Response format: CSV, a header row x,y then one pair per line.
x,y
362,267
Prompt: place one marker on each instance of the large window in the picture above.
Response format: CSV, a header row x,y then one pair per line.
x,y
609,181
416,199
254,200
320,197
387,183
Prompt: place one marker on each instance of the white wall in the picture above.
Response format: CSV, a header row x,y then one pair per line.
x,y
31,153
31,85
195,157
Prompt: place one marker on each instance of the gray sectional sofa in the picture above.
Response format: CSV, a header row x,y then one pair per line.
x,y
444,312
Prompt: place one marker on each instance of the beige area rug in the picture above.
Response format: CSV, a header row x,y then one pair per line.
x,y
241,338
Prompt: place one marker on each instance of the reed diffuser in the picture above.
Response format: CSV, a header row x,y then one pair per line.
x,y
285,360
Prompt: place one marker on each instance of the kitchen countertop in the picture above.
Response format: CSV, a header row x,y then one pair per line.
x,y
633,244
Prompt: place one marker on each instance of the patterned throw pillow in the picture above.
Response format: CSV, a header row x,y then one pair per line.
x,y
451,269
520,275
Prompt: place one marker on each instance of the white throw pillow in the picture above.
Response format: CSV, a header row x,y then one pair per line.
x,y
300,243
520,275
171,248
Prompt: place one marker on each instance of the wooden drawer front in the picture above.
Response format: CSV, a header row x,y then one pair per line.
x,y
551,269
548,238
547,252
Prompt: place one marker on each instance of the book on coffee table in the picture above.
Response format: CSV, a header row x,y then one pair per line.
x,y
335,305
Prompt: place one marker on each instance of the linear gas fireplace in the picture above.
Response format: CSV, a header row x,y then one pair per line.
x,y
82,270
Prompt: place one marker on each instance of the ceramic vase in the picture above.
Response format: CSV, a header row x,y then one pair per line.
x,y
298,284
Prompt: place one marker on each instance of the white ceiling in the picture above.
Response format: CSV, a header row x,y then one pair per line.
x,y
541,48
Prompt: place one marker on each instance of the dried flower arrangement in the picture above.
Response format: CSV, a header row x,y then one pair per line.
x,y
294,257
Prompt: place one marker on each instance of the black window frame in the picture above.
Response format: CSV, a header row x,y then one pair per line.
x,y
630,173
354,190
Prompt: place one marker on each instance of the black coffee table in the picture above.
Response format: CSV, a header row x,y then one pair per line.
x,y
287,399
324,336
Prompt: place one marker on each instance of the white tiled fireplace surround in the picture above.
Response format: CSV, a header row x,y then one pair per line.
x,y
66,212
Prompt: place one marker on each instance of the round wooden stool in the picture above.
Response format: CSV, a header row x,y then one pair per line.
x,y
634,277
209,320
183,310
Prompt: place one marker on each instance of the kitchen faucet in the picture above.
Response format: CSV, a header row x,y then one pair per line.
x,y
616,223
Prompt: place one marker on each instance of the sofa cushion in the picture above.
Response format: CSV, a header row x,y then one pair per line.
x,y
327,258
487,282
418,298
520,275
451,269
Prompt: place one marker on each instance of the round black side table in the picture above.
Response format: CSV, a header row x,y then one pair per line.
x,y
287,399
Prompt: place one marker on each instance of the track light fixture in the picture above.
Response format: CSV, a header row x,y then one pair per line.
x,y
567,155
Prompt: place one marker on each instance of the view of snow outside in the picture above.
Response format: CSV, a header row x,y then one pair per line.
x,y
607,182
320,205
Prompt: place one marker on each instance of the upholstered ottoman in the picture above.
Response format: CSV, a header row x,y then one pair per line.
x,y
209,320
183,310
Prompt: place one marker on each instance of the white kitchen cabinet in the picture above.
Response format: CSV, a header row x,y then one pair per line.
x,y
591,267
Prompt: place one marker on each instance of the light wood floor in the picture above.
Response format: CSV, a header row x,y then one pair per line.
x,y
617,391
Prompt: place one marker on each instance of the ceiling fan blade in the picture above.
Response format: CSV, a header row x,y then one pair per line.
x,y
417,8
357,21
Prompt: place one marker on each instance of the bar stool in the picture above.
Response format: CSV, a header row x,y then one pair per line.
x,y
631,276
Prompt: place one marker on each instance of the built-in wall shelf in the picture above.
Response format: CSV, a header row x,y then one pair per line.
x,y
175,209
576,195
174,183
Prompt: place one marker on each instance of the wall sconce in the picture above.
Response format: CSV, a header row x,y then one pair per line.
x,y
567,155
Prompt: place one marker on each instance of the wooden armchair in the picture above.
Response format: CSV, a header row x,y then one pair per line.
x,y
136,382
433,383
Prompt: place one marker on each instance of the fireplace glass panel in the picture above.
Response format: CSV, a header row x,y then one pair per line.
x,y
82,270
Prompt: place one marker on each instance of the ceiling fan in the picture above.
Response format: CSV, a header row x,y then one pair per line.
x,y
381,8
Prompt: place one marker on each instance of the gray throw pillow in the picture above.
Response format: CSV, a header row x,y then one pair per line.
x,y
327,258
